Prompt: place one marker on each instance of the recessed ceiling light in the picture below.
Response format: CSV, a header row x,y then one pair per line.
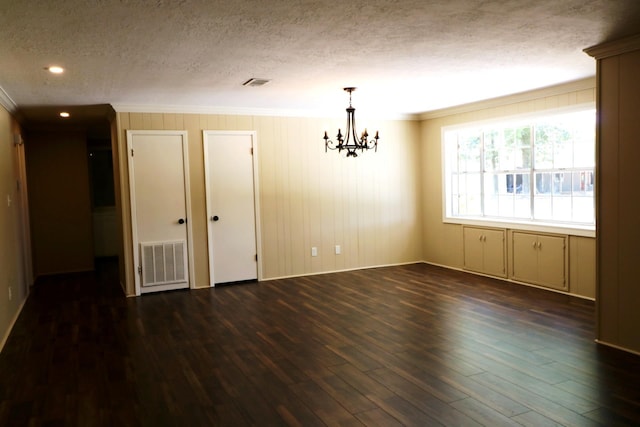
x,y
65,115
55,69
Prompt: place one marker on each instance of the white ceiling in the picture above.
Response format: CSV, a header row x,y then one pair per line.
x,y
405,56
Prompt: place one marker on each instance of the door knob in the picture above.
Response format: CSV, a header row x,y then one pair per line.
x,y
181,221
214,218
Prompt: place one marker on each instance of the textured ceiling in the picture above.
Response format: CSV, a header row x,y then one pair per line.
x,y
405,56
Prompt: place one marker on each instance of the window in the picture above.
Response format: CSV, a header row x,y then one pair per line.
x,y
538,170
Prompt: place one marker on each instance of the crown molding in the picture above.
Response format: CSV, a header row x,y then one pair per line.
x,y
240,111
6,101
573,86
613,48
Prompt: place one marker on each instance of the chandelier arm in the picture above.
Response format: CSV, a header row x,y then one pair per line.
x,y
330,145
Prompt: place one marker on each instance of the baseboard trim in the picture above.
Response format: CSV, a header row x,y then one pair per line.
x,y
338,271
617,347
11,324
515,282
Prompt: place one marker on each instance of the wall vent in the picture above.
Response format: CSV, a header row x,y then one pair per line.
x,y
163,263
256,82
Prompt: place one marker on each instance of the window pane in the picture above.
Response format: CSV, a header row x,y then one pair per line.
x,y
469,145
562,208
522,158
523,136
470,201
563,152
522,204
543,209
583,209
494,186
544,183
544,147
541,169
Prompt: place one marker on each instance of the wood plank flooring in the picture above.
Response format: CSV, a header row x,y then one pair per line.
x,y
412,345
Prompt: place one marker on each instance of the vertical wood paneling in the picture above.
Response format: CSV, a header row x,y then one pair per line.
x,y
192,124
629,201
280,194
123,124
13,230
442,243
264,129
169,121
607,194
157,122
582,266
297,161
136,121
146,121
369,205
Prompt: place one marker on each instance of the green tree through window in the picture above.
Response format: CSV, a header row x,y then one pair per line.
x,y
539,170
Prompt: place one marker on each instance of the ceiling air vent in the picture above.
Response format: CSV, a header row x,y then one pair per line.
x,y
256,82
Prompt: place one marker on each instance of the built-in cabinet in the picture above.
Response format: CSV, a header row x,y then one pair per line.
x,y
539,259
485,250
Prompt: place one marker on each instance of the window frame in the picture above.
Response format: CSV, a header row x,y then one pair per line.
x,y
579,229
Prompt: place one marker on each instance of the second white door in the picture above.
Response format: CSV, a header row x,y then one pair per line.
x,y
231,207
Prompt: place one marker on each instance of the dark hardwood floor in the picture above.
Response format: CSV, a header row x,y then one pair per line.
x,y
409,345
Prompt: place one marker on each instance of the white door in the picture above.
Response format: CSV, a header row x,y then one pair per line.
x,y
159,207
231,205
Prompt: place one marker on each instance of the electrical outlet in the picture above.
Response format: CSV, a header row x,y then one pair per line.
x,y
314,251
10,293
338,250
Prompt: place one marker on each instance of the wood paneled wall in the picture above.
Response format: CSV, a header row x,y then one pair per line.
x,y
370,205
618,202
442,242
15,271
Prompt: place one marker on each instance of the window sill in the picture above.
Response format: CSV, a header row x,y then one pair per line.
x,y
543,227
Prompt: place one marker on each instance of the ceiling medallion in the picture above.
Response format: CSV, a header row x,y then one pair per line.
x,y
359,144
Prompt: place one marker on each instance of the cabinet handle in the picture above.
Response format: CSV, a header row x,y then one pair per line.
x,y
535,245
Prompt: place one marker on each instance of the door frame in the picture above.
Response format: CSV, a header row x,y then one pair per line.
x,y
132,199
256,194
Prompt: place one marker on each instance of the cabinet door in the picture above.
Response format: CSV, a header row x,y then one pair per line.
x,y
525,257
494,253
551,261
473,248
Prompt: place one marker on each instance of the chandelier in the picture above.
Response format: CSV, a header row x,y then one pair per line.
x,y
358,144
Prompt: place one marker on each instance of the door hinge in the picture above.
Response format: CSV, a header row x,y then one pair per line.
x,y
139,269
252,151
132,152
256,257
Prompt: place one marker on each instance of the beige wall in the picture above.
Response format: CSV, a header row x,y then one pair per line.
x,y
60,203
618,201
370,206
442,243
14,270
